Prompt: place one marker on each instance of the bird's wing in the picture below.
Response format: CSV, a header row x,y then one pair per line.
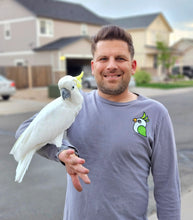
x,y
51,121
142,130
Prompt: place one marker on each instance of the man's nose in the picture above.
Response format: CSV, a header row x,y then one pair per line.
x,y
112,64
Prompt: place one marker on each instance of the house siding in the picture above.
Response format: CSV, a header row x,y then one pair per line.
x,y
22,37
78,49
139,40
11,10
187,58
22,25
66,29
157,31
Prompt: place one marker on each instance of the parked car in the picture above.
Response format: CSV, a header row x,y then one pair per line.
x,y
7,87
188,71
185,70
132,82
90,83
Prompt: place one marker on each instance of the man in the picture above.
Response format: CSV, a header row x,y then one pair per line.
x,y
119,137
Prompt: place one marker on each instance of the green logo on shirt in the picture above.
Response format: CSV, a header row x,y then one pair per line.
x,y
140,124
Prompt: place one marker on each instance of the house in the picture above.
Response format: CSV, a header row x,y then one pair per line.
x,y
58,33
25,26
184,49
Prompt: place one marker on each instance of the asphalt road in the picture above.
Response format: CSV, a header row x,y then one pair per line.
x,y
180,107
41,194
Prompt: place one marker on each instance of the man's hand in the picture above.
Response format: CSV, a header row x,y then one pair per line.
x,y
75,168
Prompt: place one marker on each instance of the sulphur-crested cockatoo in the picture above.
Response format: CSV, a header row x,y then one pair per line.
x,y
49,125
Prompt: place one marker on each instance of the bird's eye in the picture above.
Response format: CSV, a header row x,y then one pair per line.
x,y
73,87
139,121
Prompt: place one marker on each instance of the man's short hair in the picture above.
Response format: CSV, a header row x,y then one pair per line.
x,y
112,32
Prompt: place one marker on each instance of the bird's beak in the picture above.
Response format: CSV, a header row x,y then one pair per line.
x,y
135,119
65,93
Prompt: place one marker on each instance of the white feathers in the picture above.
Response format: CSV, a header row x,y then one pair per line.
x,y
49,125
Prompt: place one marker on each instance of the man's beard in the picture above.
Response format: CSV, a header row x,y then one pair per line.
x,y
113,91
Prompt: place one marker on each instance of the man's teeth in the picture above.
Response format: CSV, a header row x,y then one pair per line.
x,y
112,76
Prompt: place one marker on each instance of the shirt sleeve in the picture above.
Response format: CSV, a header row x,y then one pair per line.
x,y
49,151
165,171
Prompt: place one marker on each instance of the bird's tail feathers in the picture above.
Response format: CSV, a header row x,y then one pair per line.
x,y
17,147
23,165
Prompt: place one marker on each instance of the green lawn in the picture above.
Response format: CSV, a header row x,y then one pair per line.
x,y
168,85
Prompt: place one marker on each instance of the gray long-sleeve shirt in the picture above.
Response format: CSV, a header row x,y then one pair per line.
x,y
121,143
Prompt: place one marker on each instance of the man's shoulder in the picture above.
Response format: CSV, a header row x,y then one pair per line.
x,y
152,104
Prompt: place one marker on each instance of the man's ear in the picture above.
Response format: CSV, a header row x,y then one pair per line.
x,y
92,66
133,66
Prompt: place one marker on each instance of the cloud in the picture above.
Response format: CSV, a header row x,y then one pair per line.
x,y
189,25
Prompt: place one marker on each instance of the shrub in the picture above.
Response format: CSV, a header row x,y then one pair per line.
x,y
176,77
142,77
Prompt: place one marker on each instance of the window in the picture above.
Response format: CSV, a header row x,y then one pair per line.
x,y
84,29
46,27
7,31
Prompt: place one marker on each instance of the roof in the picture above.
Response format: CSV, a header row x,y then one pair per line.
x,y
187,41
139,21
62,11
60,43
183,45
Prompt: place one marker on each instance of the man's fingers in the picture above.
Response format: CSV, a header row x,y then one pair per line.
x,y
85,178
80,169
73,159
75,168
76,182
68,156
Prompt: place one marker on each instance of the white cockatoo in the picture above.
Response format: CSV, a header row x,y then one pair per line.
x,y
49,125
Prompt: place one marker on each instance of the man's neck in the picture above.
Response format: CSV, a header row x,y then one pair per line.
x,y
126,96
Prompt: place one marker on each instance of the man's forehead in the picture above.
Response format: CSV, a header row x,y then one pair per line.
x,y
111,46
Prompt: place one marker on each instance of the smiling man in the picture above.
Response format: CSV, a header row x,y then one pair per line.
x,y
112,67
118,138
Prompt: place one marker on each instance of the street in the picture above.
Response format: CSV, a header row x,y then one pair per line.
x,y
180,107
42,192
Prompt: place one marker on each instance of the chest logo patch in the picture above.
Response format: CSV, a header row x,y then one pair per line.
x,y
140,124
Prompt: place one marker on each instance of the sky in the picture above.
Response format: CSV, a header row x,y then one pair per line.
x,y
178,13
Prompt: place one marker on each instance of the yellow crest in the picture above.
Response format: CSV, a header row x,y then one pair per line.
x,y
79,80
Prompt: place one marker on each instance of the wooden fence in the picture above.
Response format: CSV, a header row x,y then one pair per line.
x,y
29,76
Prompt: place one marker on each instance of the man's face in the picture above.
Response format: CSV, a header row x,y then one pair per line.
x,y
112,66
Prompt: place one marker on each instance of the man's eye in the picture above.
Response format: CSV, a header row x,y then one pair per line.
x,y
120,58
103,59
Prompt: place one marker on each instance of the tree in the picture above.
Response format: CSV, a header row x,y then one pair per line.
x,y
165,57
